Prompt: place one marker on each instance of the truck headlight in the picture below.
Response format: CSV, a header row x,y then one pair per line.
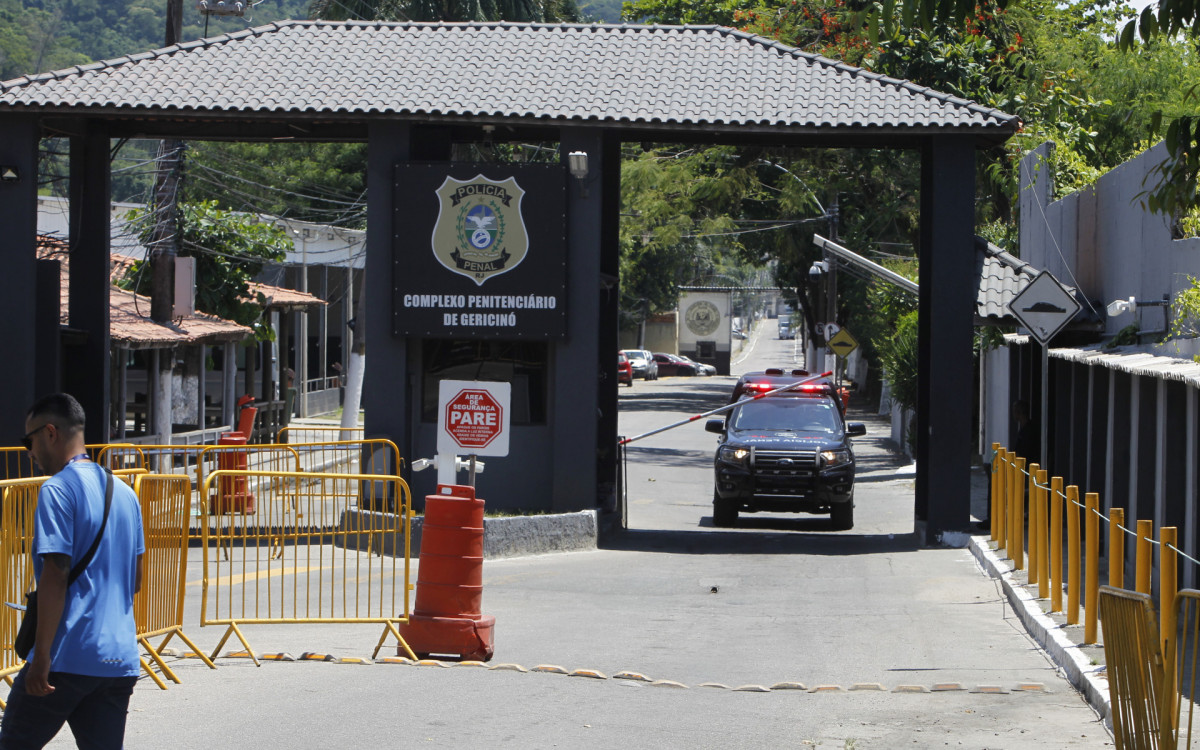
x,y
731,455
834,458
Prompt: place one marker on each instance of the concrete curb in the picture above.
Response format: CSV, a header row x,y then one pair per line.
x,y
514,536
1048,634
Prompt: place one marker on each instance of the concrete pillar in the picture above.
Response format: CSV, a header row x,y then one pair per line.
x,y
18,216
86,374
947,312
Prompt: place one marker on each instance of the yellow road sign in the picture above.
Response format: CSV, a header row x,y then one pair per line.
x,y
843,343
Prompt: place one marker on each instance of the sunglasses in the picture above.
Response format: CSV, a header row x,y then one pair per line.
x,y
27,441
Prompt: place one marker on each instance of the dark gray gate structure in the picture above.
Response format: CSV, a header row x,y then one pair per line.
x,y
411,91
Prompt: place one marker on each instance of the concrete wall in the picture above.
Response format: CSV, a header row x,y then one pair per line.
x,y
1125,423
1102,241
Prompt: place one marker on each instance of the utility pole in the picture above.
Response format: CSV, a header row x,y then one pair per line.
x,y
164,241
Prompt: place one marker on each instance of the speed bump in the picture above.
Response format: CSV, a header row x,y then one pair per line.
x,y
636,676
668,684
551,668
595,675
432,663
509,667
751,689
789,686
313,656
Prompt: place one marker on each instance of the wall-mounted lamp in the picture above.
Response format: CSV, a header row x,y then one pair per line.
x,y
577,163
9,174
1122,306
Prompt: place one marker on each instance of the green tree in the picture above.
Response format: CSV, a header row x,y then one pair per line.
x,y
230,249
319,182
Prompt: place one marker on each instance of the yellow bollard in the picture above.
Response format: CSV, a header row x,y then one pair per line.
x,y
1000,516
1056,561
1043,535
1091,602
994,506
1168,586
1168,582
1016,521
1074,559
1116,548
1144,556
1032,534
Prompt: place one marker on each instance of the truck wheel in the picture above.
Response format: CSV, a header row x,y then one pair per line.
x,y
725,512
842,516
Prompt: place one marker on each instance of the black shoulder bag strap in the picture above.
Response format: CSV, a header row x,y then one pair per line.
x,y
87,557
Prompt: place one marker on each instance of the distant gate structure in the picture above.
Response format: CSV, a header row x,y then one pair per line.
x,y
411,91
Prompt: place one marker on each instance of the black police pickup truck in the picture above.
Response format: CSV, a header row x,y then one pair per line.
x,y
787,452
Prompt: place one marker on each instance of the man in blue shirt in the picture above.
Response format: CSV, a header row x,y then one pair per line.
x,y
84,661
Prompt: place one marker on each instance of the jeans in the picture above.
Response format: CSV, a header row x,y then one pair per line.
x,y
94,707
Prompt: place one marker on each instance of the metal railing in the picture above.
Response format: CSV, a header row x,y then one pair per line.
x,y
18,503
158,605
320,547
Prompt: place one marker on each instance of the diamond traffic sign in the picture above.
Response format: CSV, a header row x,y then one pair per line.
x,y
1044,307
473,418
843,343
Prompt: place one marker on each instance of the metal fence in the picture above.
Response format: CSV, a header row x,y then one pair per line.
x,y
18,503
158,605
320,547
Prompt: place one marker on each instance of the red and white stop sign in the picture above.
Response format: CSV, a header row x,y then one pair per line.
x,y
474,419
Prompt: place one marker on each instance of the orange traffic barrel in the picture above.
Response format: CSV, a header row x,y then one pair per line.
x,y
447,616
450,577
231,495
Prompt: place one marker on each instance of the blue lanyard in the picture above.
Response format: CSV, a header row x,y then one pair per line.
x,y
80,457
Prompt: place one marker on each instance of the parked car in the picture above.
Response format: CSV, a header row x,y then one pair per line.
x,y
789,452
785,331
702,368
624,370
644,366
671,364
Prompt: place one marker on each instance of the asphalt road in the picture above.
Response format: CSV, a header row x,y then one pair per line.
x,y
868,622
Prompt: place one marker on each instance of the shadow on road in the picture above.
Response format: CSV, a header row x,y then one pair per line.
x,y
735,542
698,398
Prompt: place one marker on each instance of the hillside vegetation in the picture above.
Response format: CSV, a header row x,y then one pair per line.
x,y
42,35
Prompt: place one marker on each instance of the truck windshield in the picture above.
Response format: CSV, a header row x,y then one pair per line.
x,y
789,414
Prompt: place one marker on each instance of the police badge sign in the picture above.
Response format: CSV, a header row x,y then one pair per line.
x,y
479,251
480,230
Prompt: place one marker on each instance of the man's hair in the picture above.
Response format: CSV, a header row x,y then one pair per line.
x,y
61,409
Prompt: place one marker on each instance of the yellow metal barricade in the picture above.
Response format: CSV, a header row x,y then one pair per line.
x,y
17,463
315,433
373,456
158,606
321,547
18,503
1182,663
1136,675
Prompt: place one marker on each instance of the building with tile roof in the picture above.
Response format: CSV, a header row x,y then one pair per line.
x,y
411,92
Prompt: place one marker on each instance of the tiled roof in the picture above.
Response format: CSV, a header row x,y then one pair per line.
x,y
282,298
1002,276
645,76
1134,361
129,322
